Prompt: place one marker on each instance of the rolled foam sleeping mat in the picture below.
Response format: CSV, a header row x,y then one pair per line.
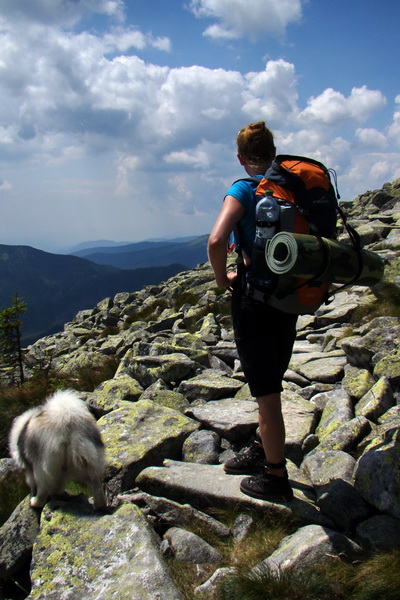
x,y
302,256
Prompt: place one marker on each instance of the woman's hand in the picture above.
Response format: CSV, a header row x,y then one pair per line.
x,y
226,280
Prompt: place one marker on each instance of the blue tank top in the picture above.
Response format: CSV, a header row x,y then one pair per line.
x,y
244,191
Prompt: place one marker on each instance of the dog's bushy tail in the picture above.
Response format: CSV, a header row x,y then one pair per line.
x,y
74,422
65,406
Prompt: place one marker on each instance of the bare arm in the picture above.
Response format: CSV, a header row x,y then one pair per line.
x,y
230,214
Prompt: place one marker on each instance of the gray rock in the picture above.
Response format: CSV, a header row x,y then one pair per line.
x,y
148,369
347,436
182,343
138,435
377,474
189,547
205,486
17,536
167,398
357,382
323,468
323,370
226,351
380,533
91,556
202,447
389,366
341,502
310,546
210,586
109,394
242,526
232,419
377,401
300,420
294,377
210,330
391,417
176,514
210,385
337,411
339,314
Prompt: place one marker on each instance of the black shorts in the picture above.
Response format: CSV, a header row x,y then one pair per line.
x,y
264,339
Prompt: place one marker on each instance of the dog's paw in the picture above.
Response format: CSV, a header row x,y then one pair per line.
x,y
35,502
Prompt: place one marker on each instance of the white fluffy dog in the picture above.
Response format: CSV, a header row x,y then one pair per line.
x,y
58,442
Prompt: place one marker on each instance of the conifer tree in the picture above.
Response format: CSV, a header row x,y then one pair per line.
x,y
10,338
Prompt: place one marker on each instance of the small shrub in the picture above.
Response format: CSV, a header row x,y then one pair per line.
x,y
330,582
15,400
267,531
378,578
11,495
86,379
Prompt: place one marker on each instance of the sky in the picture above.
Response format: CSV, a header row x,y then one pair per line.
x,y
118,118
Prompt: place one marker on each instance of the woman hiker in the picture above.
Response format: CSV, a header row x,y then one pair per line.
x,y
264,336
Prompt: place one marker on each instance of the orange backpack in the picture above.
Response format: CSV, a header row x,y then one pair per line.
x,y
308,204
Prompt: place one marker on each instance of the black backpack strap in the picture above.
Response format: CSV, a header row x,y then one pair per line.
x,y
238,248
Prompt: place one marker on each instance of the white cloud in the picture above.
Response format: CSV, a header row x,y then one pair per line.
x,y
371,138
4,185
247,18
65,12
123,39
272,93
127,165
332,108
368,172
394,129
86,116
197,159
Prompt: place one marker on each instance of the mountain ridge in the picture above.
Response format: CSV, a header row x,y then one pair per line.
x,y
150,253
56,286
110,245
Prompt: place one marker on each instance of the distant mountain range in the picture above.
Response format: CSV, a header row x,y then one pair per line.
x,y
105,244
56,286
191,251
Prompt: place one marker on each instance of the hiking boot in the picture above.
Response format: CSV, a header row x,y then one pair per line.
x,y
247,462
267,487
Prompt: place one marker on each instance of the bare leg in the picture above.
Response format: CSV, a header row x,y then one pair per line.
x,y
272,485
272,430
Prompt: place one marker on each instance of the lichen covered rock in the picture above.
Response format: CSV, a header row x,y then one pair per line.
x,y
81,554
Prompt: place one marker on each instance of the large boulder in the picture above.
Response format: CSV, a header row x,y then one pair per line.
x,y
82,554
138,435
377,473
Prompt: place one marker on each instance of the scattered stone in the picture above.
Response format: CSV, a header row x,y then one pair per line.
x,y
179,392
380,533
308,547
377,401
242,526
189,547
202,447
